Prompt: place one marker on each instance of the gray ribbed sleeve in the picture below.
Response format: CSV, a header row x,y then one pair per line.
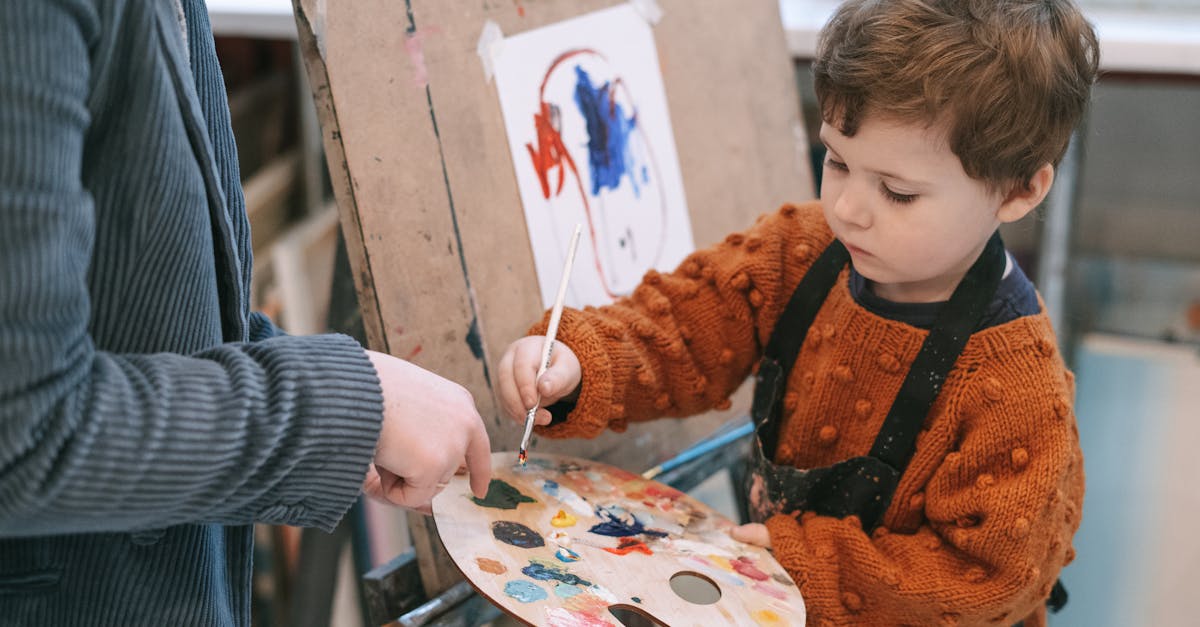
x,y
121,406
146,416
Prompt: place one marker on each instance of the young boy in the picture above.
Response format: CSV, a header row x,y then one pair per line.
x,y
917,458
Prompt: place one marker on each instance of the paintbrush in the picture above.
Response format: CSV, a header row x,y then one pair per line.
x,y
548,344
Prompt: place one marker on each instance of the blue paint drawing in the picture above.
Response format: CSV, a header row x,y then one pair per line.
x,y
609,129
585,105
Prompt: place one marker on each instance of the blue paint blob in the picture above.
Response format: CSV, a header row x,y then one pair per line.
x,y
524,591
566,590
544,572
621,524
566,555
608,130
516,534
636,599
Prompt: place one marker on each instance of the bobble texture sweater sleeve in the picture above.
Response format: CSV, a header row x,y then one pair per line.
x,y
685,340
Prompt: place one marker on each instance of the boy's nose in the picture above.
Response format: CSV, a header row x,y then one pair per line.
x,y
852,206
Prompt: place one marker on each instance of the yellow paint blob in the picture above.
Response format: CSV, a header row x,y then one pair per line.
x,y
766,618
722,562
562,519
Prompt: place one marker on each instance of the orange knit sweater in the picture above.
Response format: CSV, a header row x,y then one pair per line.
x,y
982,520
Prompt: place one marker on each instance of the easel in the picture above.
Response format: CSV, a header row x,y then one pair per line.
x,y
429,207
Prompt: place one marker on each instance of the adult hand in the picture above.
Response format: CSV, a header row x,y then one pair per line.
x,y
430,429
519,387
752,533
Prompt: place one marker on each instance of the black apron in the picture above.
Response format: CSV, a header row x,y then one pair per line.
x,y
861,486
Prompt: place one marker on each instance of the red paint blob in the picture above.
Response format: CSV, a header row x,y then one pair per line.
x,y
745,566
629,545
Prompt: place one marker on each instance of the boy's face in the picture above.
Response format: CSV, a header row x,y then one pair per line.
x,y
900,201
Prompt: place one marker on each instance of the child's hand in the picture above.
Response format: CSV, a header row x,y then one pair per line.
x,y
518,369
752,533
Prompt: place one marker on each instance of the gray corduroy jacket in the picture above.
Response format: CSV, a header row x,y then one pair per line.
x,y
146,417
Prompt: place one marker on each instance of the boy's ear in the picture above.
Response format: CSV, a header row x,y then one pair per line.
x,y
1023,198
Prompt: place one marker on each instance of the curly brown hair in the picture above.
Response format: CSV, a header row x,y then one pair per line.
x,y
1010,79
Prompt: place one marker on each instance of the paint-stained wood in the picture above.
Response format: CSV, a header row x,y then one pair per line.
x,y
562,540
428,200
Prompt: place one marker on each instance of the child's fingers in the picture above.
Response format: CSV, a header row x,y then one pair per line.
x,y
562,377
527,357
752,533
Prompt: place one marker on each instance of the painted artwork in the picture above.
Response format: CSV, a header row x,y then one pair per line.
x,y
591,142
568,542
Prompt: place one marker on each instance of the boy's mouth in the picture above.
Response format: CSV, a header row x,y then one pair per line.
x,y
855,250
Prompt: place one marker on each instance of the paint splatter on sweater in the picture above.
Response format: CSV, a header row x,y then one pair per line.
x,y
982,520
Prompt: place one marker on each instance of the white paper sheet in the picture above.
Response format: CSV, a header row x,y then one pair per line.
x,y
591,142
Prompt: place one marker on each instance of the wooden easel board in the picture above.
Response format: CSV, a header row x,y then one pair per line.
x,y
425,186
561,540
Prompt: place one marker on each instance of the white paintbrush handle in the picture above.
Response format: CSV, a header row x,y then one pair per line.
x,y
551,331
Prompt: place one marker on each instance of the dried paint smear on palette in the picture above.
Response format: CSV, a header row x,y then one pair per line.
x,y
564,541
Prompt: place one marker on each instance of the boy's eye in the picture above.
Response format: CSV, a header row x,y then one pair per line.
x,y
836,165
896,197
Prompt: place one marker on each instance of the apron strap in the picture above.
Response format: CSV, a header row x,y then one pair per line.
x,y
953,326
788,335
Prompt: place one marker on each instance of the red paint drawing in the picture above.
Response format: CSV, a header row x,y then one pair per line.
x,y
591,142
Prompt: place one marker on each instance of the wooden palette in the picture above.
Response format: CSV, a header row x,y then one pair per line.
x,y
563,540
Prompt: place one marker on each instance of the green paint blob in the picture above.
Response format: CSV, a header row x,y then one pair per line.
x,y
502,495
